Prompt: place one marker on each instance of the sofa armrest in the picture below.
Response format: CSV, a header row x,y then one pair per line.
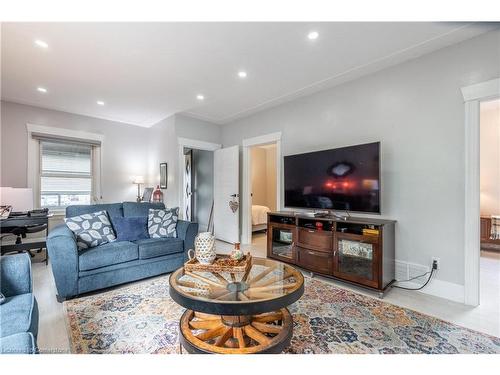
x,y
63,255
187,231
15,274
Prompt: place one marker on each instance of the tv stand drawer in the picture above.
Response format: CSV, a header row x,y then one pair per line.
x,y
315,239
316,261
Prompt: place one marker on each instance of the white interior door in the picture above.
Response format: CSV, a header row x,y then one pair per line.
x,y
226,194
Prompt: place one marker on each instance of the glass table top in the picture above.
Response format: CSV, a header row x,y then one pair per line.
x,y
266,280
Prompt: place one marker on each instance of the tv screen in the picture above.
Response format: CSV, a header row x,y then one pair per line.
x,y
346,179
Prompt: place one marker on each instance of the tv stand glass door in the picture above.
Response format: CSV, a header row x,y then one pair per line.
x,y
356,259
281,242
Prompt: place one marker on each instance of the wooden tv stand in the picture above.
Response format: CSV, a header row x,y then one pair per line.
x,y
356,250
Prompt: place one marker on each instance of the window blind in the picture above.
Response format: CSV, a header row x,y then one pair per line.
x,y
65,173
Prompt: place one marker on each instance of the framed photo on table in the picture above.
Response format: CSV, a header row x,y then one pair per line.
x,y
163,175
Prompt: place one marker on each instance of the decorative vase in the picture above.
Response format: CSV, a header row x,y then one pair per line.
x,y
237,254
157,194
204,248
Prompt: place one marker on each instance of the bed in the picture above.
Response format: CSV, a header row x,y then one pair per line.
x,y
259,217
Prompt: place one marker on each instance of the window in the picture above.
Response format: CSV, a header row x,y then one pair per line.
x,y
65,173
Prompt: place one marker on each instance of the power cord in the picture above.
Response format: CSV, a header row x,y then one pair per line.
x,y
434,267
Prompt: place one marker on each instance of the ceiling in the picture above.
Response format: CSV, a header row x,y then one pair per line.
x,y
145,72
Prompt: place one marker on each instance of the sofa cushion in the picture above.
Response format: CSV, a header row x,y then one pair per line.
x,y
155,247
17,313
19,343
113,209
131,228
163,223
91,230
107,254
134,209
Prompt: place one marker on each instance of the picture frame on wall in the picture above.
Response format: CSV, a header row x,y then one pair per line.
x,y
163,175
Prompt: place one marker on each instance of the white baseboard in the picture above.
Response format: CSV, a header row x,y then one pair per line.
x,y
439,288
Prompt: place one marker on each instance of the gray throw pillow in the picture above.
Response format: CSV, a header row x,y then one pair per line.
x,y
91,230
163,223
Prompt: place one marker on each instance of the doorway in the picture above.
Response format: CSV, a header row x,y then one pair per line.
x,y
489,127
261,186
263,189
198,190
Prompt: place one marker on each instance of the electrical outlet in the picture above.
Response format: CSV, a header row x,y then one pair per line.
x,y
437,261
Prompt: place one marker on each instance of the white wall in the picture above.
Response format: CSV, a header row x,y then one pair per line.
x,y
416,110
490,158
164,147
125,147
128,150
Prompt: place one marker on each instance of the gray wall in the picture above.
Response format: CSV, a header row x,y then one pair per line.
x,y
416,110
203,168
124,152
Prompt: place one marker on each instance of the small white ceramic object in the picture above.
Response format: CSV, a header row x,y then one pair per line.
x,y
204,248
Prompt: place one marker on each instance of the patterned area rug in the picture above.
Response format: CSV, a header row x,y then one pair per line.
x,y
142,318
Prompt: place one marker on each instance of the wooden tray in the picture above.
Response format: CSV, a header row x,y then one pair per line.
x,y
220,264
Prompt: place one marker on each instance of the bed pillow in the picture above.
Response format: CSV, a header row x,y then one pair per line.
x,y
91,230
163,223
131,228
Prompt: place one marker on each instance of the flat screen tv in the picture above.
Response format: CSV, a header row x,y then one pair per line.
x,y
346,179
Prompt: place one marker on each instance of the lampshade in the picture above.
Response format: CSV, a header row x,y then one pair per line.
x,y
139,180
21,199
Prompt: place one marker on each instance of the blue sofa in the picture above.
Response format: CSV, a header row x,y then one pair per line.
x,y
76,272
19,311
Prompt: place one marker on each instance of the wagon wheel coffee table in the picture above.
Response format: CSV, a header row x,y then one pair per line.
x,y
239,313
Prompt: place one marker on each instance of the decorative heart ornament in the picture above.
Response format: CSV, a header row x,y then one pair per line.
x,y
233,205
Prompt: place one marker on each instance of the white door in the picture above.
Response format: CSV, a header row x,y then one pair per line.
x,y
226,194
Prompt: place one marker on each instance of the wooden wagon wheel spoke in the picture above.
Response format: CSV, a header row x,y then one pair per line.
x,y
256,335
225,336
274,280
203,316
204,279
267,328
204,324
238,335
211,333
226,296
264,318
271,288
247,273
261,275
259,295
220,278
242,296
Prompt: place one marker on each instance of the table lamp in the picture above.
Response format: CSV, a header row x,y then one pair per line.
x,y
138,180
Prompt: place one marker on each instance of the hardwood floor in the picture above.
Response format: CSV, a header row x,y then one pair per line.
x,y
53,338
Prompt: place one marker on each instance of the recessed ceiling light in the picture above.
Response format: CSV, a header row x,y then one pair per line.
x,y
313,35
41,43
200,97
242,74
100,102
41,89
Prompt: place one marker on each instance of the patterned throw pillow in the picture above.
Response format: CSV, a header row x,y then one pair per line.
x,y
91,230
163,223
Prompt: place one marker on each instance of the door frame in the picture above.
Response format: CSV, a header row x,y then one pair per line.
x,y
473,95
246,210
196,145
